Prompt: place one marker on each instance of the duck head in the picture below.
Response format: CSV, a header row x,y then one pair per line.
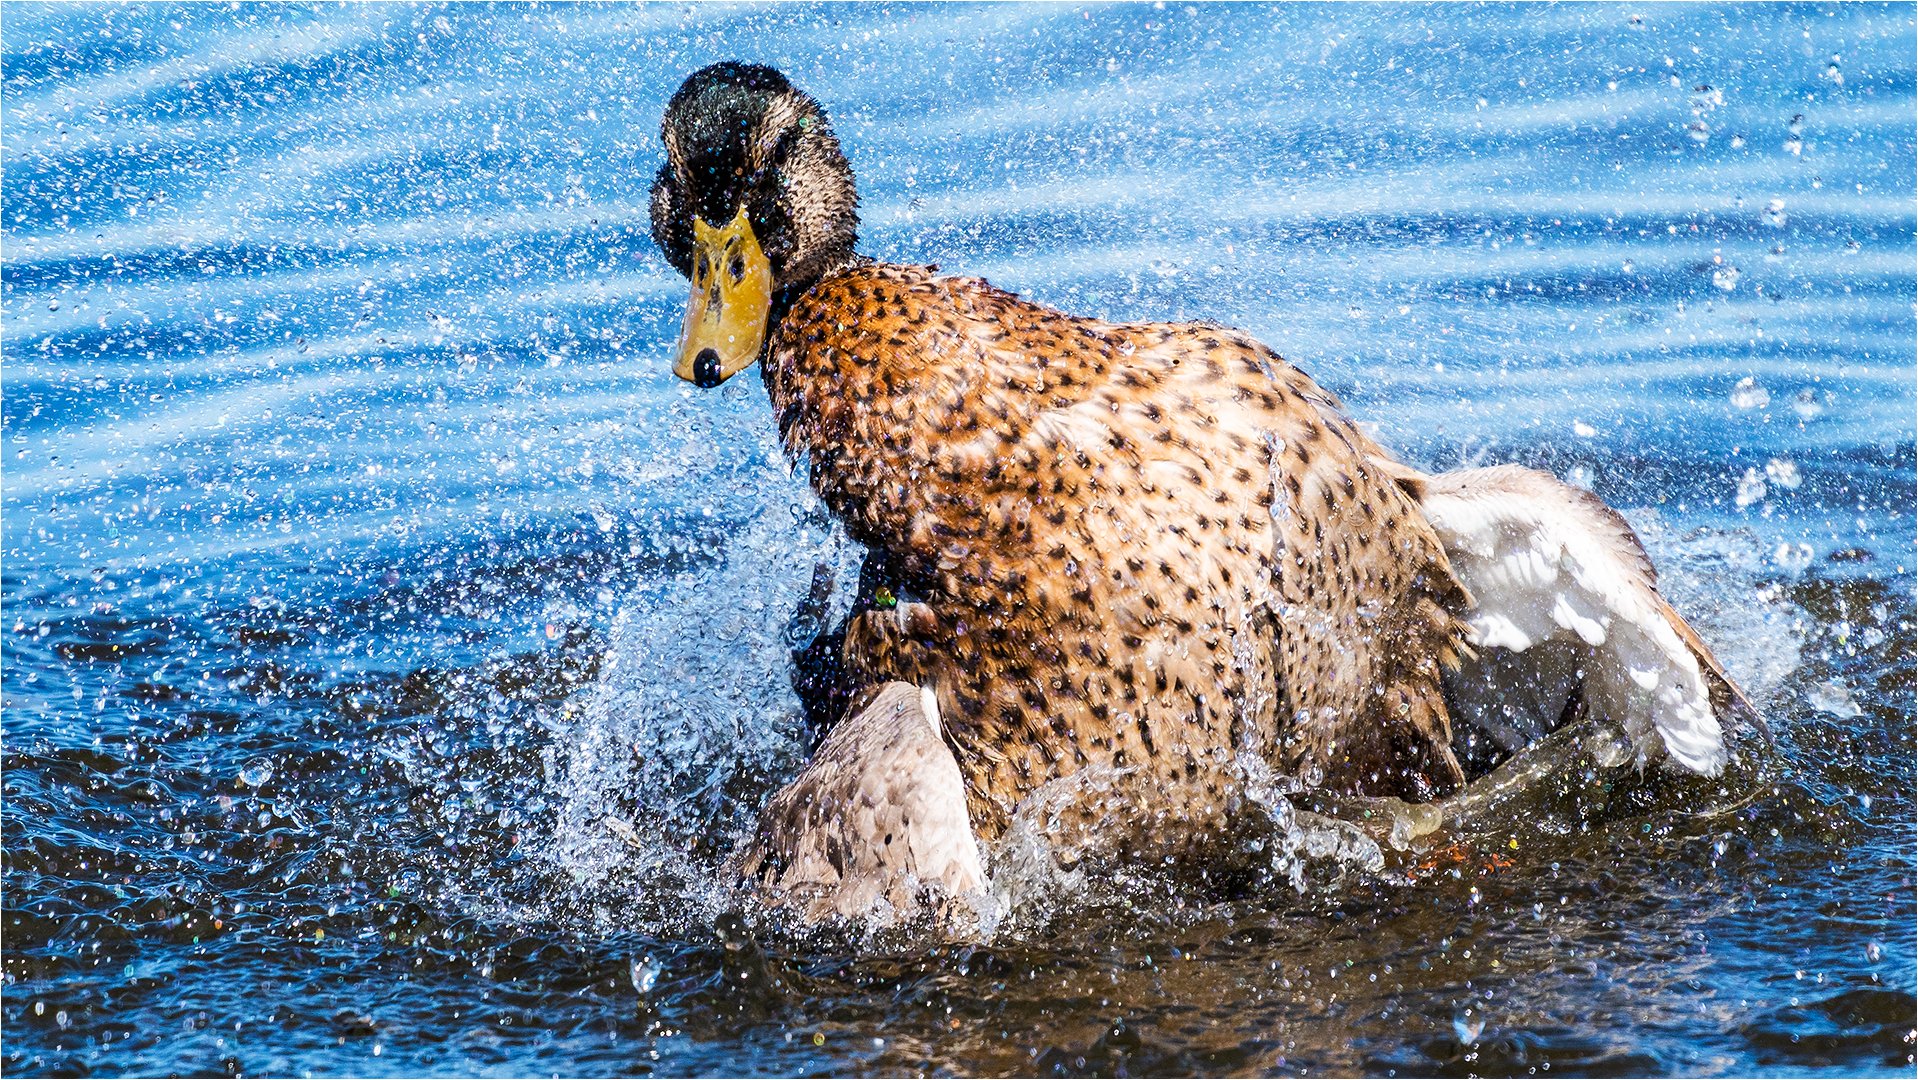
x,y
754,204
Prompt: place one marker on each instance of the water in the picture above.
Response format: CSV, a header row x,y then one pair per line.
x,y
393,647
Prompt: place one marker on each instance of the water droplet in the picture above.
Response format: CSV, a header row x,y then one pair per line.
x,y
256,772
1748,394
1794,558
1784,473
1832,697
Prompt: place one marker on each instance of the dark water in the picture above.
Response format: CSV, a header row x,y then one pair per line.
x,y
392,648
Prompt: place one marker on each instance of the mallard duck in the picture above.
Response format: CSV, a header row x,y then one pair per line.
x,y
1148,548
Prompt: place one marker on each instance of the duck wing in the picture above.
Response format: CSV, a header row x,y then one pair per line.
x,y
1567,615
875,824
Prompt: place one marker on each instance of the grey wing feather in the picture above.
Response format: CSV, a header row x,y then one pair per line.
x,y
875,826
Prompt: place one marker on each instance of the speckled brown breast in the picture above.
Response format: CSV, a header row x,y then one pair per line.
x,y
1150,545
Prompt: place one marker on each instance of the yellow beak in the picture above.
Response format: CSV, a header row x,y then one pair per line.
x,y
732,296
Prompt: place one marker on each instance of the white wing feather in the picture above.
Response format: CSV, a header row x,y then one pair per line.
x,y
1567,599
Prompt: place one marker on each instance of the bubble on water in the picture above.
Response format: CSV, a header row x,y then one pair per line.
x,y
256,772
53,304
1726,277
1738,142
1751,487
645,973
1583,430
1784,473
1775,213
1806,404
1749,395
1832,697
1872,951
1581,476
1834,72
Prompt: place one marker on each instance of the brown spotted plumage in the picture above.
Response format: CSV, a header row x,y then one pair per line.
x,y
1144,545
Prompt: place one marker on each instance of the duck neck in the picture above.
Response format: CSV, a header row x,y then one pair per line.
x,y
831,416
785,295
782,304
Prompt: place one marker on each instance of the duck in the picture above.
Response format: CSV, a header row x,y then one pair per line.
x,y
1148,552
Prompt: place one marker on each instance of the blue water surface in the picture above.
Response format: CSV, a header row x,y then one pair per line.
x,y
393,647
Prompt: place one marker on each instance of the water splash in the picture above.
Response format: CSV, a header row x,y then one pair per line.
x,y
659,768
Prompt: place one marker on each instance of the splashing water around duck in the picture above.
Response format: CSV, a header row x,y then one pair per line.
x,y
397,652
